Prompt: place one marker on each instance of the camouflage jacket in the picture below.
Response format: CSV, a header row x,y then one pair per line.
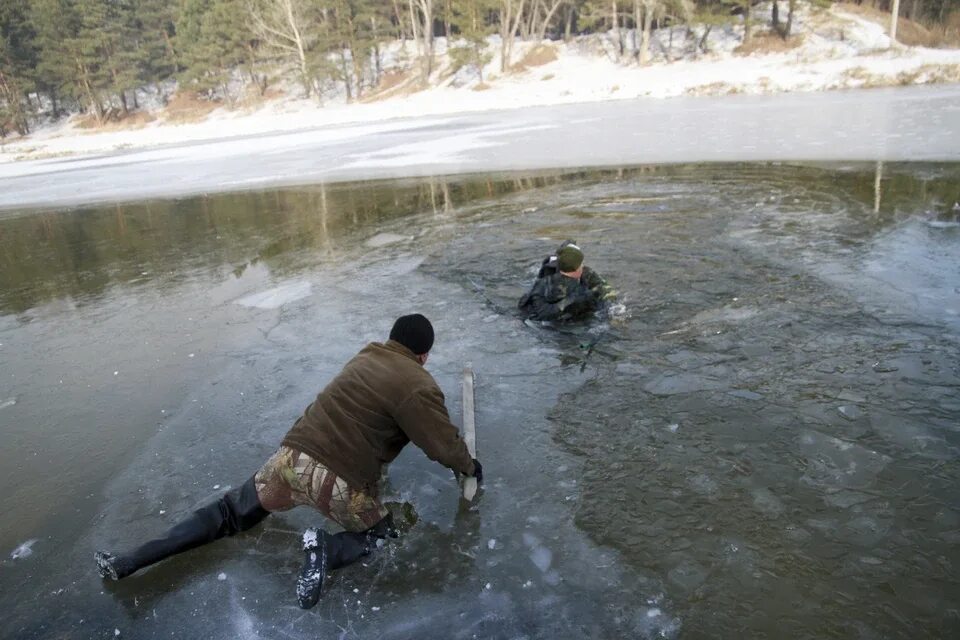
x,y
555,296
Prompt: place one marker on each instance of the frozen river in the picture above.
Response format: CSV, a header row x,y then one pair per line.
x,y
919,123
764,445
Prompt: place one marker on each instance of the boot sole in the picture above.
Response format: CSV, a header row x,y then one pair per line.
x,y
310,582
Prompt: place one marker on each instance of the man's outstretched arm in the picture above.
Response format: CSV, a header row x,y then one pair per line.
x,y
423,417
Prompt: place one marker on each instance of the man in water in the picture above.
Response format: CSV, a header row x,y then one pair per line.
x,y
332,459
565,288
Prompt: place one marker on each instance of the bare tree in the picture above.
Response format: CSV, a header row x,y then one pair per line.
x,y
281,25
421,19
615,25
646,19
542,15
511,11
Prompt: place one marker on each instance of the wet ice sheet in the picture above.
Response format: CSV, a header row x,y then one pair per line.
x,y
607,520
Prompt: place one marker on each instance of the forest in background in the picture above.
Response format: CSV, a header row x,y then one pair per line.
x,y
66,56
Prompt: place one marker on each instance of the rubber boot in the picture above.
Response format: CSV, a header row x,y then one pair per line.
x,y
238,510
326,552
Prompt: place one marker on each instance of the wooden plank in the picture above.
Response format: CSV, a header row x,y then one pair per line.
x,y
469,430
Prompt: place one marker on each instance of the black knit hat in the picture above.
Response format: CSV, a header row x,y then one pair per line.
x,y
414,332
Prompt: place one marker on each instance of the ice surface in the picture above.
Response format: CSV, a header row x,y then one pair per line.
x,y
519,139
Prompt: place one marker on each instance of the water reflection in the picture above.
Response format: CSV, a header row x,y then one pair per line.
x,y
78,254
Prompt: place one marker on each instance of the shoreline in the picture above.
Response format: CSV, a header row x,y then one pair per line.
x,y
572,74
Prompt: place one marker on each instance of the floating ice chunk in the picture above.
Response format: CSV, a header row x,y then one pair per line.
x,y
216,486
766,502
277,297
542,557
375,608
673,428
492,543
850,411
9,402
383,239
116,373
221,576
116,633
653,613
488,586
24,550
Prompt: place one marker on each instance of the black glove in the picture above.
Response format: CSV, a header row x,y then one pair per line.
x,y
478,471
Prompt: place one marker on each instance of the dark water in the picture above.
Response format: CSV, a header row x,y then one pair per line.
x,y
763,441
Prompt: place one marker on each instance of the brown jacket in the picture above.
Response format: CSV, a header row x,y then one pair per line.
x,y
382,400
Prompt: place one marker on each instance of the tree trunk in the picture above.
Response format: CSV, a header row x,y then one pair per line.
x,y
791,6
894,16
415,30
645,40
401,32
84,80
542,34
377,69
346,72
568,26
702,45
170,50
636,30
746,21
775,17
615,25
298,40
914,9
447,12
509,22
425,24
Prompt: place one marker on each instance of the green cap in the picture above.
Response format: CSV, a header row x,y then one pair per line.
x,y
569,258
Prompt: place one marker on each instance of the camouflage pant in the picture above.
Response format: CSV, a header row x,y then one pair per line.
x,y
291,478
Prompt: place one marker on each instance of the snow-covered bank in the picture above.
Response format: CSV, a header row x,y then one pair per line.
x,y
834,50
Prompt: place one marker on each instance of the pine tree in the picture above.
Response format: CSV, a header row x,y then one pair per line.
x,y
56,25
471,19
212,39
17,60
156,57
